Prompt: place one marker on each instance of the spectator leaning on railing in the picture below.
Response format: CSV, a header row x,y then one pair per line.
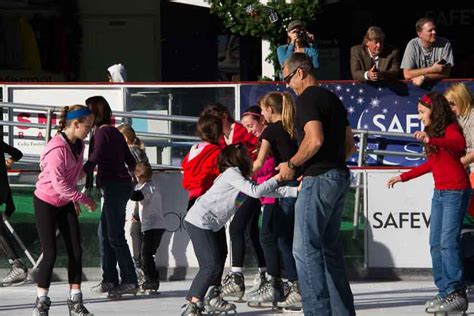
x,y
427,57
373,60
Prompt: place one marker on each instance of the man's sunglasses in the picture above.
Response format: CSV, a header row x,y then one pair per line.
x,y
287,78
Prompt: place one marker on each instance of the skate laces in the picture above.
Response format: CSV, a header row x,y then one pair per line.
x,y
14,272
80,309
43,305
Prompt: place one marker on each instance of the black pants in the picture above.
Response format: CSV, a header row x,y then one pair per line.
x,y
245,221
211,252
269,240
48,218
151,242
7,244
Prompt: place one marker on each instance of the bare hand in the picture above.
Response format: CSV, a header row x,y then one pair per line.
x,y
292,35
8,163
91,206
438,68
421,136
310,37
82,175
391,182
77,208
373,74
418,81
300,179
285,172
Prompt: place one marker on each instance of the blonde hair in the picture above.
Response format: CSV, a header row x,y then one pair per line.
x,y
462,96
131,136
282,103
374,33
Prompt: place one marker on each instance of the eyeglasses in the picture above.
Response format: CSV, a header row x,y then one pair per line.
x,y
288,78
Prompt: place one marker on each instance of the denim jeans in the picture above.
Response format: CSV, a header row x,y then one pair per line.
x,y
114,246
448,208
285,222
317,246
211,252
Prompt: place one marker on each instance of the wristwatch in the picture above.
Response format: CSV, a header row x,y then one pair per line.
x,y
291,165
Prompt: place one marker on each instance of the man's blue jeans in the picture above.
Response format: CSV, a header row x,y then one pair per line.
x,y
448,208
114,245
317,246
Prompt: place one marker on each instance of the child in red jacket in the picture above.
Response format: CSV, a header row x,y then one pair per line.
x,y
200,164
444,146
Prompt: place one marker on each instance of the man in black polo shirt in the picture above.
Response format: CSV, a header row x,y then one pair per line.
x,y
325,142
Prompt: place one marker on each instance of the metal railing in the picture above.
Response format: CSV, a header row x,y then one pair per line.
x,y
167,139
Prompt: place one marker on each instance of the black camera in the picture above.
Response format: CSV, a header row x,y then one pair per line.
x,y
302,35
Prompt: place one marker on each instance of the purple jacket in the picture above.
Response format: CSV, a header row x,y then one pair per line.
x,y
60,170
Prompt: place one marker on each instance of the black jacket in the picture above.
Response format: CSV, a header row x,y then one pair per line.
x,y
5,192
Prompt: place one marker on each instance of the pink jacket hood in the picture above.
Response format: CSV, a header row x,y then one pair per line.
x,y
60,170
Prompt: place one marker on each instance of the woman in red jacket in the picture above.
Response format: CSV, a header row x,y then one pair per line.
x,y
444,146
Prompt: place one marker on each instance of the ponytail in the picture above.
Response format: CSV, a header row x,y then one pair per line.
x,y
62,118
288,114
282,103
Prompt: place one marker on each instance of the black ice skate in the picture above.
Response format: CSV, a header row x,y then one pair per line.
x,y
233,286
268,295
42,306
150,287
293,299
76,306
215,304
17,275
191,309
123,289
455,303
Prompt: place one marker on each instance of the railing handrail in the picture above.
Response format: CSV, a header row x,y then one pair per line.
x,y
45,108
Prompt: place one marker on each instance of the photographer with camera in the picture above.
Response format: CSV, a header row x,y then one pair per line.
x,y
299,41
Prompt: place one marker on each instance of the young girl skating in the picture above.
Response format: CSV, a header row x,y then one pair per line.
x,y
205,223
56,202
279,139
444,146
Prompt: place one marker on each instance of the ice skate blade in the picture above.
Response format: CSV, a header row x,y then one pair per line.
x,y
212,311
119,296
456,313
263,305
234,299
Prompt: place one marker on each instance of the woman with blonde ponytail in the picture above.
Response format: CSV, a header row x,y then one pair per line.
x,y
56,201
279,138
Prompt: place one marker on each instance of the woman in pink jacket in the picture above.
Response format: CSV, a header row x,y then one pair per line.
x,y
56,202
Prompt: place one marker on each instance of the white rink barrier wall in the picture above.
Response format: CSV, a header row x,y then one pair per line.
x,y
397,220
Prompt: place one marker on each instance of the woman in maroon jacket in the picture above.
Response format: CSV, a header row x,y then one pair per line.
x,y
444,146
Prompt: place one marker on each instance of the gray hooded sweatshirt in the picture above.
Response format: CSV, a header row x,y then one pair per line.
x,y
230,189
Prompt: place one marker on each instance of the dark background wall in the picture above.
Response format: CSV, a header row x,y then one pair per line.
x,y
189,33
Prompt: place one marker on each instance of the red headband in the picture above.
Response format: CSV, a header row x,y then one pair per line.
x,y
250,113
426,101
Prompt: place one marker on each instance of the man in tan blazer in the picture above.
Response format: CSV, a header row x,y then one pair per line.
x,y
372,61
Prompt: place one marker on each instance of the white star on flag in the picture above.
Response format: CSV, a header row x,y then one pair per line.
x,y
375,102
